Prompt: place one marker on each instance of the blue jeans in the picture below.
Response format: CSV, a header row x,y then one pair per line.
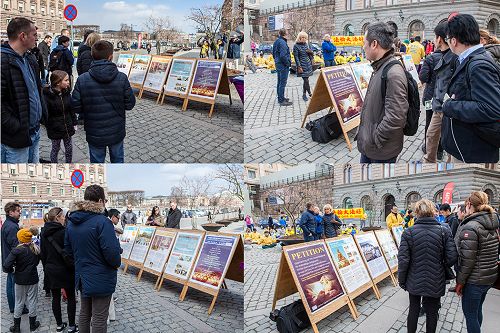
x,y
366,159
329,63
472,305
29,154
281,84
10,291
98,154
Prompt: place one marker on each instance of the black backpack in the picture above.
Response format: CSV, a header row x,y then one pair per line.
x,y
55,60
413,115
325,129
291,318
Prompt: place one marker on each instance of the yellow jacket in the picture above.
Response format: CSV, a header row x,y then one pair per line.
x,y
289,232
248,236
267,240
417,52
393,221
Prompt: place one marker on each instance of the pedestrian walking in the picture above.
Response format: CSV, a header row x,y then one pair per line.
x,y
59,269
491,44
308,223
62,120
249,223
158,47
85,53
102,96
128,217
331,222
148,48
425,250
283,61
24,258
204,49
303,56
174,216
155,219
328,50
44,47
380,132
253,47
477,241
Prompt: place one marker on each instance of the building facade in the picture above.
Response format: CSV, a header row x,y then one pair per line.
x,y
79,30
46,14
39,187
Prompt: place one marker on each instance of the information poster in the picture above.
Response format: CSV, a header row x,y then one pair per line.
x,y
348,40
346,256
183,253
124,63
362,73
161,245
213,260
141,244
397,232
350,213
157,73
180,75
206,78
388,246
139,69
127,240
410,67
372,253
345,92
316,274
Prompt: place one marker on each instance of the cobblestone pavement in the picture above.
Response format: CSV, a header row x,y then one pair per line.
x,y
385,315
273,133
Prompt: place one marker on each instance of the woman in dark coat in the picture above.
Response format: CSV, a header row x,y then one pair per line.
x,y
424,249
58,268
304,60
85,54
62,118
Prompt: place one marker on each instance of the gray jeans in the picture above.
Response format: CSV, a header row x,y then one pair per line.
x,y
95,309
26,294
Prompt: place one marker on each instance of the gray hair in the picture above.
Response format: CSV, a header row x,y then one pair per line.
x,y
382,33
282,32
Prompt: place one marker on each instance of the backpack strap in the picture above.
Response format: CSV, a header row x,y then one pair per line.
x,y
384,76
55,245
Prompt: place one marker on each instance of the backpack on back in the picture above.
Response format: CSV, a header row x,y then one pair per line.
x,y
55,60
325,129
291,318
413,114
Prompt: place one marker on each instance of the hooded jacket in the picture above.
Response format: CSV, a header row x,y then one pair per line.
x,y
90,239
427,74
443,70
308,223
10,227
84,59
102,95
61,117
66,61
494,50
25,262
477,244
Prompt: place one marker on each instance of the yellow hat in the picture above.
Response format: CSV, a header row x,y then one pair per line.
x,y
24,236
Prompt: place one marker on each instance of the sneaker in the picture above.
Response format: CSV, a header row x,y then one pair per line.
x,y
47,293
285,103
73,329
304,97
61,327
440,155
423,149
286,99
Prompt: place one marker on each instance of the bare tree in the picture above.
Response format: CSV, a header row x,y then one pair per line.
x,y
122,198
207,19
195,188
125,32
306,20
178,194
232,18
232,175
161,28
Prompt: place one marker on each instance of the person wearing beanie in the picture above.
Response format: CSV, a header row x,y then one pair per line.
x,y
25,258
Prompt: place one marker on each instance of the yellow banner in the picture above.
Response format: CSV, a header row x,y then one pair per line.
x,y
348,40
350,213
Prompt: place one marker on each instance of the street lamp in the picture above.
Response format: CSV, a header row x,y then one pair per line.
x,y
375,15
401,15
398,187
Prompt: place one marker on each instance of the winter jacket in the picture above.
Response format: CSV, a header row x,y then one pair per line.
x,y
393,220
380,132
452,221
427,75
308,223
476,86
477,244
90,239
61,117
281,54
15,102
444,70
102,95
174,218
25,262
84,59
332,224
328,50
319,224
40,65
10,227
45,52
60,272
233,48
494,50
66,60
420,257
128,217
303,59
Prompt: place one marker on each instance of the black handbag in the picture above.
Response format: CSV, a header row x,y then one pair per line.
x,y
325,129
448,272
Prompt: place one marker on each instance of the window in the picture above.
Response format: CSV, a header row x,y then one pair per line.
x,y
6,4
61,191
33,189
368,3
21,7
449,166
411,200
389,170
414,167
60,174
348,30
347,203
7,21
12,170
49,190
60,14
53,25
493,27
347,174
367,205
43,10
349,4
33,9
366,172
438,197
44,25
251,174
100,179
416,28
46,173
442,166
14,189
31,171
92,178
51,12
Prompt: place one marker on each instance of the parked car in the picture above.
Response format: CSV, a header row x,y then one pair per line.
x,y
265,48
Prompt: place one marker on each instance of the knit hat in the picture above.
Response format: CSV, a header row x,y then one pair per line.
x,y
24,236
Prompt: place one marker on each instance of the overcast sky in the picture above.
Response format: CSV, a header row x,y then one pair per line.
x,y
156,179
110,14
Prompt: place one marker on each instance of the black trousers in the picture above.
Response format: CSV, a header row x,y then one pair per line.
x,y
431,306
306,87
56,305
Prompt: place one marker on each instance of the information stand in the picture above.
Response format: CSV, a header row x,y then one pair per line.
x,y
182,257
158,253
216,256
139,70
127,241
389,249
210,79
140,247
179,79
362,74
397,232
124,63
337,90
308,269
410,67
156,75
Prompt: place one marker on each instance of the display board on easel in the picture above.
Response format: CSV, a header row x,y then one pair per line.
x,y
124,63
362,74
216,255
158,253
308,269
139,70
182,257
156,75
127,241
351,268
397,232
140,247
179,79
210,79
388,248
410,67
373,257
337,90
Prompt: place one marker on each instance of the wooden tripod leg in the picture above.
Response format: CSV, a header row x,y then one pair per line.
x,y
375,291
212,305
140,274
183,293
393,279
125,268
161,283
304,120
158,99
140,93
157,281
315,328
162,98
185,104
211,110
354,310
349,145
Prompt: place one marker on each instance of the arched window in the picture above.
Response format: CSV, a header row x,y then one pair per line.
x,y
363,28
493,27
416,28
348,30
347,174
489,193
347,203
367,205
438,197
411,199
394,27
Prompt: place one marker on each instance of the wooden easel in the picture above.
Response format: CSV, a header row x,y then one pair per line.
x,y
178,94
233,267
322,98
393,269
222,88
125,260
135,84
287,282
135,263
156,91
394,236
133,55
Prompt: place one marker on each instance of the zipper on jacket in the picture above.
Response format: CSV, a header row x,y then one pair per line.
x,y
64,116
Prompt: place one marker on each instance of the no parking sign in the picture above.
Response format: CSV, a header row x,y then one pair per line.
x,y
70,12
77,178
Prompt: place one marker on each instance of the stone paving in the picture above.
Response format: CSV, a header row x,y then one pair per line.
x,y
385,315
273,133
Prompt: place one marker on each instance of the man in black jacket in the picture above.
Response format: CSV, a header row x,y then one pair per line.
x,y
451,218
22,103
473,95
44,47
174,216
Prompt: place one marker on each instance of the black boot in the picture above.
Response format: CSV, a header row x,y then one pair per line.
x,y
16,328
34,324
